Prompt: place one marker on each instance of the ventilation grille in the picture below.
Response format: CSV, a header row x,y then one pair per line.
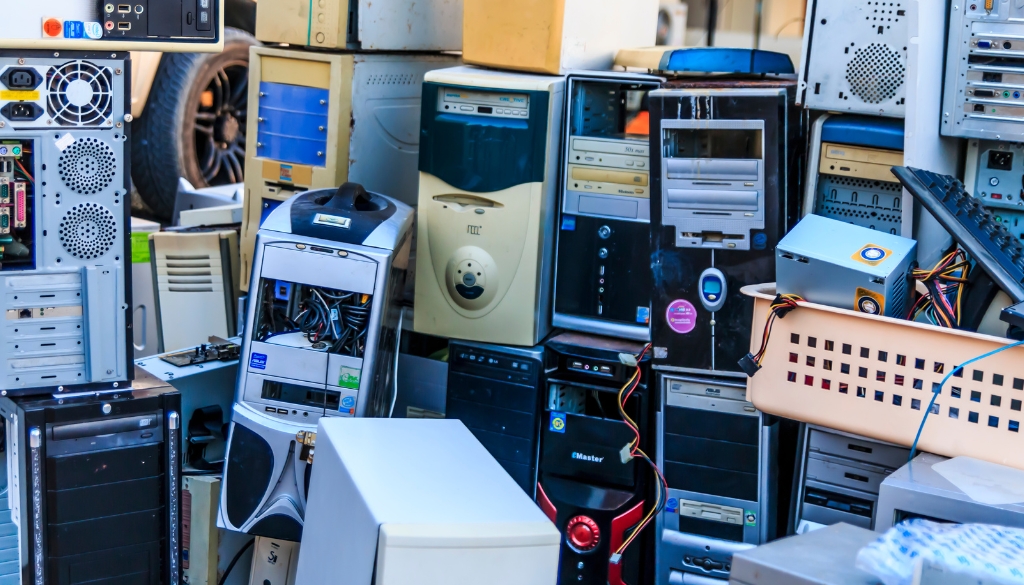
x,y
867,203
875,73
392,79
88,231
87,166
899,297
80,93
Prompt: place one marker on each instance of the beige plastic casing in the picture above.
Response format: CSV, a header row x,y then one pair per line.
x,y
860,162
514,244
203,534
190,269
291,22
554,36
307,69
183,46
797,389
510,554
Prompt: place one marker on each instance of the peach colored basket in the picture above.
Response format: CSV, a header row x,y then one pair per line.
x,y
873,376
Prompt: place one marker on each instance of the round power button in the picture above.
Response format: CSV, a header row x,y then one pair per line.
x,y
583,533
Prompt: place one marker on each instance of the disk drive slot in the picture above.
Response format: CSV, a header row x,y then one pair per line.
x,y
304,396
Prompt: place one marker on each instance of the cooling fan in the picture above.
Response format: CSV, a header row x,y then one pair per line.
x,y
87,166
80,93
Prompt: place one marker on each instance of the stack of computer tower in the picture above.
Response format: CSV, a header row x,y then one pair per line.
x,y
523,226
334,96
726,153
87,451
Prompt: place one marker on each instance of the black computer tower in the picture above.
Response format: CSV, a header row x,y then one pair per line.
x,y
495,391
94,486
725,175
594,495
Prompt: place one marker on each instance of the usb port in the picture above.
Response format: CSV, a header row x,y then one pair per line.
x,y
270,409
124,8
124,26
282,411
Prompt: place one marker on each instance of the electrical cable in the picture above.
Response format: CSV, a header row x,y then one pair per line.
x,y
661,493
937,391
231,565
945,283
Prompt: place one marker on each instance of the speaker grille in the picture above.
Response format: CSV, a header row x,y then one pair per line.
x,y
87,166
875,73
87,231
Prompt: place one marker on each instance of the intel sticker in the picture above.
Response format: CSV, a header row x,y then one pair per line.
x,y
643,315
258,361
749,518
348,402
672,505
74,29
569,223
93,30
557,422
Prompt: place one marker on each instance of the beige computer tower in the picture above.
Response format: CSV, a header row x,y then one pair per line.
x,y
195,276
200,537
274,562
369,25
317,120
554,36
486,214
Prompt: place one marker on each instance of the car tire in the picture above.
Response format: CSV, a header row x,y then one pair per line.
x,y
191,127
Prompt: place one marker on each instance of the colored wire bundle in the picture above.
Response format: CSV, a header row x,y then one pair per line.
x,y
945,283
634,450
325,315
780,307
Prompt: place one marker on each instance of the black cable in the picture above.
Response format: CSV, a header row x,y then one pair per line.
x,y
231,565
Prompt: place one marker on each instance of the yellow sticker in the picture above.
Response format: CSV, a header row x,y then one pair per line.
x,y
868,301
140,247
10,95
872,255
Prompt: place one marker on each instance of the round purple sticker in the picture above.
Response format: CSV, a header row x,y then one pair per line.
x,y
681,316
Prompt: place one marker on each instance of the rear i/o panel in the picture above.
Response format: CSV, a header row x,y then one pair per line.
x,y
983,95
64,315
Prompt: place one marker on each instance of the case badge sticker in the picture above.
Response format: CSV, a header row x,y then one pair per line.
x,y
643,315
258,361
672,505
349,378
557,423
749,518
681,316
872,255
348,403
869,302
286,173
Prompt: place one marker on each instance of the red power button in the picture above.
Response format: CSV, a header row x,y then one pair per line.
x,y
583,533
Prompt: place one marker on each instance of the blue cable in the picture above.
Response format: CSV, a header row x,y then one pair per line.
x,y
937,391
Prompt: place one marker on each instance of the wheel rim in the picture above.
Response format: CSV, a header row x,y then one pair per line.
x,y
220,124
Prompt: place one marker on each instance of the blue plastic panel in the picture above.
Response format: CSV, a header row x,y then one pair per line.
x,y
726,60
269,205
869,131
292,124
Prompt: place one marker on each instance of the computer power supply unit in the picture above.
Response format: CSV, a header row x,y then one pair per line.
x,y
65,261
321,339
854,57
993,174
318,119
833,263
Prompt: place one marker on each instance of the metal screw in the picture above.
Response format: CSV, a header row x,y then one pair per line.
x,y
113,55
321,128
128,117
262,94
61,401
115,383
48,122
60,388
118,124
323,102
110,372
3,124
318,153
117,71
259,145
106,409
56,54
21,61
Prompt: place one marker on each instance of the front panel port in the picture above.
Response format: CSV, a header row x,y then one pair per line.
x,y
124,8
22,78
21,111
124,26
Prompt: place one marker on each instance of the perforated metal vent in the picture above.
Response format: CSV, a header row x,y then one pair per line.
x,y
87,166
87,231
864,202
79,93
391,79
875,73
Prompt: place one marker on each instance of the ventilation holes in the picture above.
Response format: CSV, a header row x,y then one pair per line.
x,y
87,231
87,166
79,93
392,79
875,73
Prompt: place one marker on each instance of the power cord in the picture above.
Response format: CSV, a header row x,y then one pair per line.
x,y
937,391
234,561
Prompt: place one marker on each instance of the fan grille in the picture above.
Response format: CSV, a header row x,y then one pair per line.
x,y
87,166
80,94
875,73
87,231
